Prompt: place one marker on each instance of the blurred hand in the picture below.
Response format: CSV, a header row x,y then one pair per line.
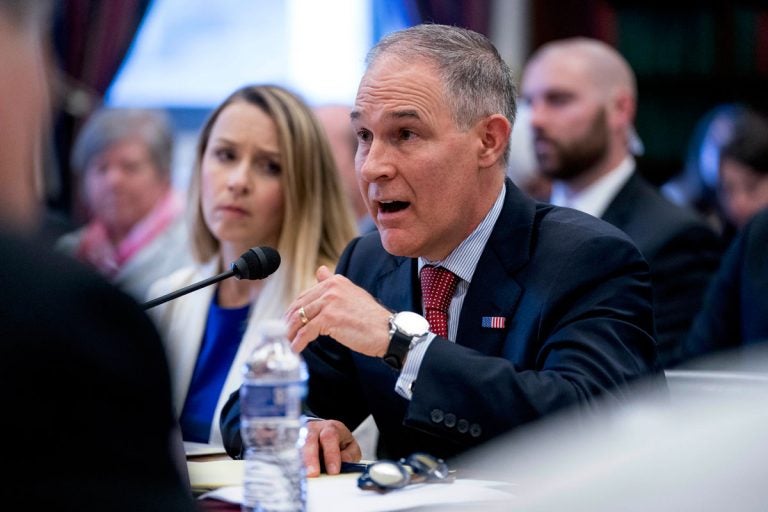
x,y
333,441
338,308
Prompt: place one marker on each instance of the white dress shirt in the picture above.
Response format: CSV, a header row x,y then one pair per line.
x,y
595,198
462,262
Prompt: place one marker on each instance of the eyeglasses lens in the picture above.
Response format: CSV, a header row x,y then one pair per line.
x,y
386,475
428,466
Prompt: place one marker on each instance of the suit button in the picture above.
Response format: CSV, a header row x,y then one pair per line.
x,y
450,420
475,430
437,416
462,426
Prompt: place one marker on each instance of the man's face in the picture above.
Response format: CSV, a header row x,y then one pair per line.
x,y
418,172
568,119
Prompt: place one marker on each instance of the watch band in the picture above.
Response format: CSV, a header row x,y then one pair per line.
x,y
399,344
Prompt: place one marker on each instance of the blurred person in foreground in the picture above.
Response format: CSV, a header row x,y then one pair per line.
x,y
343,141
137,232
582,97
700,446
520,322
264,176
83,374
743,186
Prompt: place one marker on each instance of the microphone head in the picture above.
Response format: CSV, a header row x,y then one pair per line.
x,y
256,263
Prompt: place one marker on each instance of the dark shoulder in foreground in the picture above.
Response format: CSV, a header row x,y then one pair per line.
x,y
82,372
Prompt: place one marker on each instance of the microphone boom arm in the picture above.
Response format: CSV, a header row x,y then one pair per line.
x,y
255,263
187,289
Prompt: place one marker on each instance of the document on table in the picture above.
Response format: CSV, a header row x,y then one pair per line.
x,y
342,492
199,449
206,476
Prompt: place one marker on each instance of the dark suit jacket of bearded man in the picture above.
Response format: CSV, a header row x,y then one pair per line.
x,y
683,253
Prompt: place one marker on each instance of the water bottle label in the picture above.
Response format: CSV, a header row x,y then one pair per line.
x,y
271,400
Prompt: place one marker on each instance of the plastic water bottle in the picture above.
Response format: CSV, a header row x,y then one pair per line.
x,y
272,425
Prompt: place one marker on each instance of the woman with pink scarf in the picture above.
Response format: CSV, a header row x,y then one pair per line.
x,y
136,233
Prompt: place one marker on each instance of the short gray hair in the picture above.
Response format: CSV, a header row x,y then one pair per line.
x,y
478,83
110,126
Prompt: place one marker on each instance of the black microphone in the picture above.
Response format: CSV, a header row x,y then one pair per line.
x,y
255,263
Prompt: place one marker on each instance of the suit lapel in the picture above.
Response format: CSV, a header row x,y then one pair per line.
x,y
620,208
493,291
491,294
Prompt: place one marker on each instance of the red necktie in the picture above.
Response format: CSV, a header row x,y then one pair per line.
x,y
437,287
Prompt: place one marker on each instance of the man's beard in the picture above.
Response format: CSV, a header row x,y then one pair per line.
x,y
566,162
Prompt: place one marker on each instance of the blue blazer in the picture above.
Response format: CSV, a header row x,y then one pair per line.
x,y
576,297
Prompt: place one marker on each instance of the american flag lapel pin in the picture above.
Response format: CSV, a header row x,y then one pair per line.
x,y
494,322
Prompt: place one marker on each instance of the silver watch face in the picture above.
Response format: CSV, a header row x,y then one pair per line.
x,y
411,324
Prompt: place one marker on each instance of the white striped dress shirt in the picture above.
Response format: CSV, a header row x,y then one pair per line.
x,y
462,262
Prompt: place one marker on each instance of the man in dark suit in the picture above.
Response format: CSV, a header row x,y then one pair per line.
x,y
582,97
84,386
735,311
529,308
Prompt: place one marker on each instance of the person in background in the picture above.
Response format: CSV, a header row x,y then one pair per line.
x,y
335,121
137,232
264,176
84,380
518,321
735,311
696,186
743,186
522,168
582,97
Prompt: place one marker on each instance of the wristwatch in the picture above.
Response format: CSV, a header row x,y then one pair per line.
x,y
406,329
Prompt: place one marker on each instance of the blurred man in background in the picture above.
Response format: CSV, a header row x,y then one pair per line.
x,y
343,140
582,97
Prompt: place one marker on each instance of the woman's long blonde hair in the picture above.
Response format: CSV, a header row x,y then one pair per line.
x,y
317,222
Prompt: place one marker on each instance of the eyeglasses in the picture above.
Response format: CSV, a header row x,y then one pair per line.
x,y
387,475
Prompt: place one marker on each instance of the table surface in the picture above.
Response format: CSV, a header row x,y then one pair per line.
x,y
225,475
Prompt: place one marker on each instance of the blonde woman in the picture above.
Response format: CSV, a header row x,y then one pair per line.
x,y
264,175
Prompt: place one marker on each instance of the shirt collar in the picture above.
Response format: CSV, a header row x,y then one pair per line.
x,y
595,198
462,261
